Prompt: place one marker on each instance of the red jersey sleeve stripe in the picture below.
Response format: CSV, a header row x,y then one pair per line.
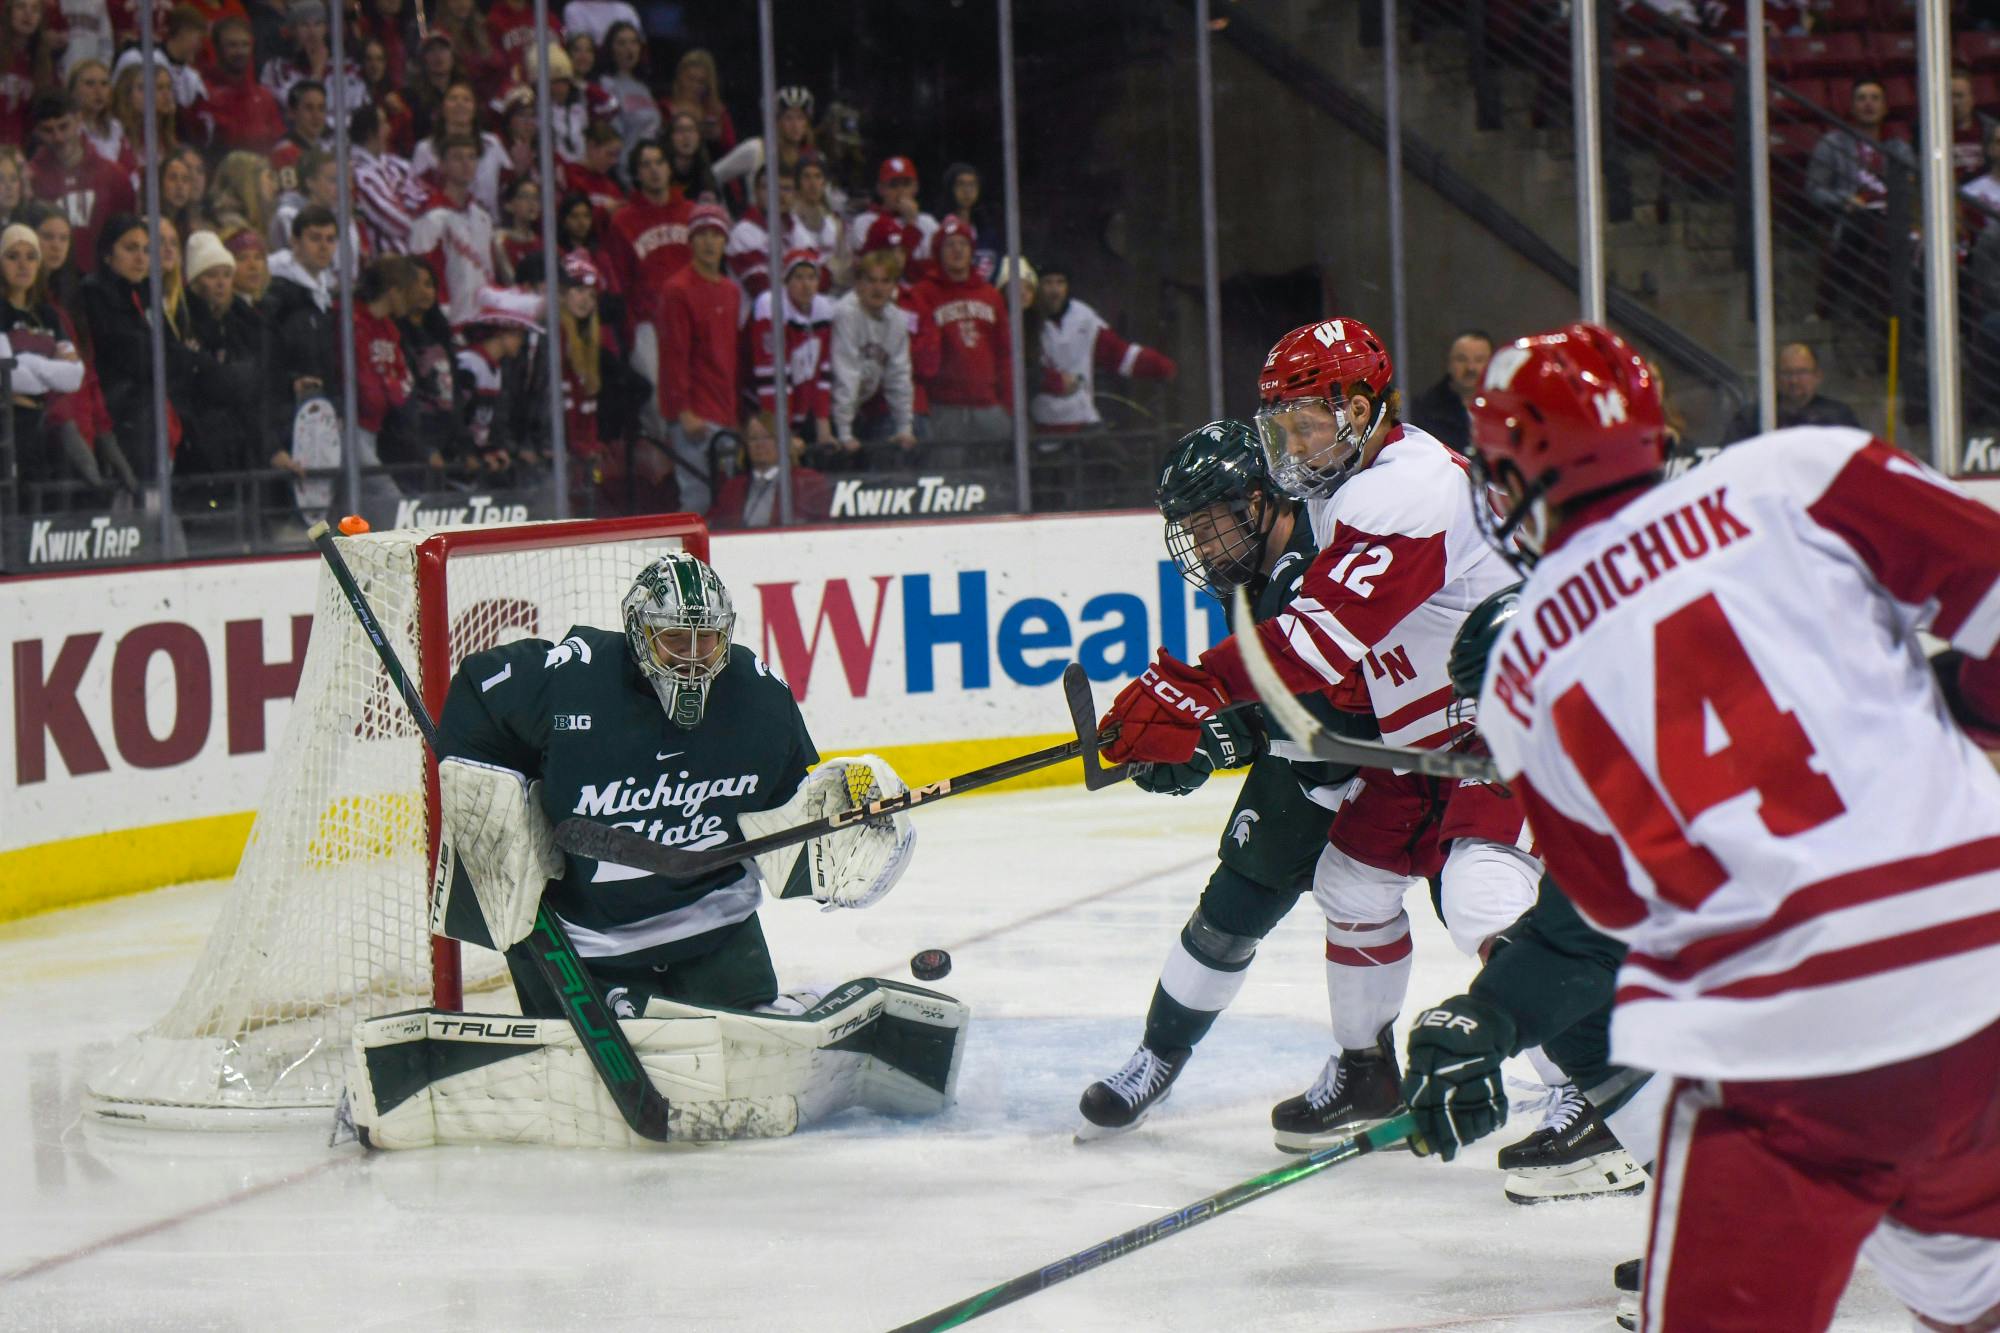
x,y
1943,940
1410,712
1867,885
1921,538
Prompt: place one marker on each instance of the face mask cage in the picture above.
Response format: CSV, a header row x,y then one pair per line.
x,y
1503,521
1220,548
1311,444
680,646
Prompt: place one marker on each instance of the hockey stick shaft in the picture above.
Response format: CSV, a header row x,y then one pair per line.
x,y
1385,1135
555,957
603,842
1304,729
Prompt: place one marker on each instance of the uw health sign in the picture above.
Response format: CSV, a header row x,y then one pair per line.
x,y
150,700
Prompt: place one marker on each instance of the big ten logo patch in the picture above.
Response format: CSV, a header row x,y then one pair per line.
x,y
572,722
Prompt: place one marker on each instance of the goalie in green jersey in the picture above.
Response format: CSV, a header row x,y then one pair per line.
x,y
669,729
666,728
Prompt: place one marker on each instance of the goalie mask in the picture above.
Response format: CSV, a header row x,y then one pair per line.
x,y
1220,506
1311,442
678,619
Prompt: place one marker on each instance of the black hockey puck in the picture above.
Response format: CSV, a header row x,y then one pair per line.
x,y
930,964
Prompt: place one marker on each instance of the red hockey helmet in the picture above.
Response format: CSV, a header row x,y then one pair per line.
x,y
1563,415
1302,419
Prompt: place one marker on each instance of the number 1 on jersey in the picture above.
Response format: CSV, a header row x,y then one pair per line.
x,y
1701,675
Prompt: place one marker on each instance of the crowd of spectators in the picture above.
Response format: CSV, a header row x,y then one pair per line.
x,y
671,277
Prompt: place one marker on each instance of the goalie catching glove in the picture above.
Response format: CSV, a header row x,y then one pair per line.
x,y
498,832
852,866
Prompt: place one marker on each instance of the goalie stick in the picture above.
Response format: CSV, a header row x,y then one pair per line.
x,y
605,842
1304,729
555,957
1385,1135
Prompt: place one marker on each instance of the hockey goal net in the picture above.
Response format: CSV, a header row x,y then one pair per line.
x,y
327,920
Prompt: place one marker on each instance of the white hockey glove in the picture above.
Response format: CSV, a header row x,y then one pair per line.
x,y
497,830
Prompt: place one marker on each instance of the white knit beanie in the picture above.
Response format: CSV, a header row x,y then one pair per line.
x,y
205,250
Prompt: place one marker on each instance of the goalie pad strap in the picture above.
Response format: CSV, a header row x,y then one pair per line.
x,y
500,836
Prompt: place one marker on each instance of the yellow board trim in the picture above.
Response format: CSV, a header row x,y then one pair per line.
x,y
74,871
50,875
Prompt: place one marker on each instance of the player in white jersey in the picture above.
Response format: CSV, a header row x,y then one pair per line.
x,y
1401,564
1715,707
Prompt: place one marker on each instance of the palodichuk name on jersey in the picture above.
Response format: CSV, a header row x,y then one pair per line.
x,y
1621,570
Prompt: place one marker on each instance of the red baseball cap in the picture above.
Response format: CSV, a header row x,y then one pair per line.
x,y
794,258
580,270
896,169
954,225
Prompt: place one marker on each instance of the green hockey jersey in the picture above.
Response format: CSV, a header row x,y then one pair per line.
x,y
580,716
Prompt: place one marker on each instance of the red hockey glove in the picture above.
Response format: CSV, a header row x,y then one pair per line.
x,y
1159,715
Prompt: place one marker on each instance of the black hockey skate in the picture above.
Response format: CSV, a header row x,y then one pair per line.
x,y
1572,1156
1356,1091
1121,1102
1626,1278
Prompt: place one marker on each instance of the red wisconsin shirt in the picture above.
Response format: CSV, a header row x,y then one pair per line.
x,y
244,113
970,321
88,194
647,244
698,346
382,378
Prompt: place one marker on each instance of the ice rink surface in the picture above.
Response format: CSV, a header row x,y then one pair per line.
x,y
1057,907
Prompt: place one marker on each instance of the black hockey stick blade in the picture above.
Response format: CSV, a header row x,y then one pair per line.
x,y
604,1041
1385,1135
1083,716
604,842
1302,728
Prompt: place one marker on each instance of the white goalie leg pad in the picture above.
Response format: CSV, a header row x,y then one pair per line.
x,y
498,832
429,1077
853,866
872,1042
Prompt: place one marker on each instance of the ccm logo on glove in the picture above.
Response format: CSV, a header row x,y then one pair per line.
x,y
1173,696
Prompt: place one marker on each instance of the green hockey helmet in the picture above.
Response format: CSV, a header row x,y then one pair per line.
x,y
1473,644
1214,532
678,618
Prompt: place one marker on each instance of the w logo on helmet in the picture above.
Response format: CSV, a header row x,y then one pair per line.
x,y
1331,332
1610,407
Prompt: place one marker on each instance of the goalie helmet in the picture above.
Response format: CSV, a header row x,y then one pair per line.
x,y
1561,416
678,619
1214,531
1308,379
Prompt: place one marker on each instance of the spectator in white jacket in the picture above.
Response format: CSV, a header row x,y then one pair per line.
x,y
871,358
45,361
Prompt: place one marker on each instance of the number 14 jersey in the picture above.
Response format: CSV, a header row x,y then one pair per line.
x,y
1714,704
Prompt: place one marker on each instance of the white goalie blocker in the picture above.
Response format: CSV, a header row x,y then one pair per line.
x,y
429,1077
